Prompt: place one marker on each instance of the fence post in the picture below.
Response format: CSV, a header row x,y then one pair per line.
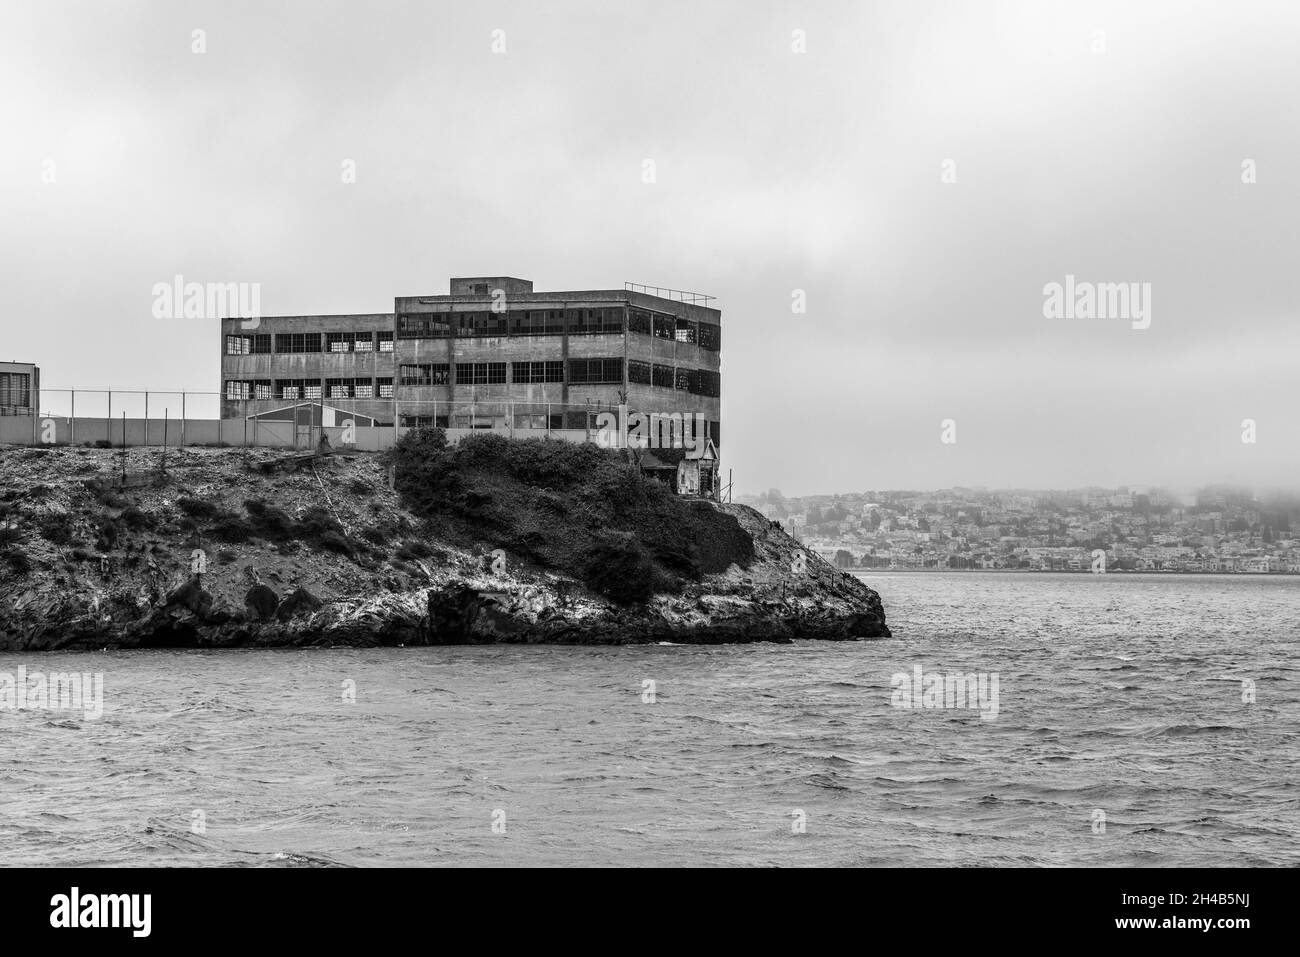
x,y
72,420
183,421
146,420
108,423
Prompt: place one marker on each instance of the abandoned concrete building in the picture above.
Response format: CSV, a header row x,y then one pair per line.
x,y
20,388
491,354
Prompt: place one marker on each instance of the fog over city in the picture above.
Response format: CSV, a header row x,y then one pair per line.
x,y
878,194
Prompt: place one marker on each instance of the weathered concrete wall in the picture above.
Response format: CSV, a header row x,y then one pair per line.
x,y
18,430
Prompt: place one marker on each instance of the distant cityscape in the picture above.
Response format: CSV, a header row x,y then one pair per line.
x,y
1215,530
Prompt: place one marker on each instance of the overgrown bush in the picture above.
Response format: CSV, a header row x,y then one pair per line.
x,y
556,504
18,562
414,549
55,529
619,567
197,508
377,534
273,524
137,520
231,528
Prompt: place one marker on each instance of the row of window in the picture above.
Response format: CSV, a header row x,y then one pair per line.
x,y
696,381
304,342
292,389
529,420
554,322
581,372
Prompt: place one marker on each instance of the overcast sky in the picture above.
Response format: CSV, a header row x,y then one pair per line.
x,y
1113,156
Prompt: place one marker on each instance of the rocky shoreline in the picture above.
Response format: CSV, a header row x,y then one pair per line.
x,y
150,580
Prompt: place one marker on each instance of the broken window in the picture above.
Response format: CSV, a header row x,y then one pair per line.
x,y
384,387
595,371
239,390
537,322
435,373
639,321
664,327
638,372
248,345
339,388
682,380
432,326
663,376
363,390
15,393
684,330
385,341
710,337
340,341
592,322
480,324
708,383
298,389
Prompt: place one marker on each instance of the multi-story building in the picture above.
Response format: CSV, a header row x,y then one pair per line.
x,y
492,353
20,388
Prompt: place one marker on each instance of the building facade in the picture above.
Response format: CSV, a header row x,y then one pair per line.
x,y
491,354
20,388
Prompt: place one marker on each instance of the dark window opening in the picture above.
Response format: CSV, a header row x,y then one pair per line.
x,y
297,342
595,371
481,373
707,383
532,372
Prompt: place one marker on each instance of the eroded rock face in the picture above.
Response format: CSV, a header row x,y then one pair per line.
x,y
256,594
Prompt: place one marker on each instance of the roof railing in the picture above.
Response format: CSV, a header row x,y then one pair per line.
x,y
677,295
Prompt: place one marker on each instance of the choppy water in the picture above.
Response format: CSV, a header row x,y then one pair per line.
x,y
1118,693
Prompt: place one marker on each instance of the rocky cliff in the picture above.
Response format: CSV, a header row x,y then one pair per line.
x,y
229,548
